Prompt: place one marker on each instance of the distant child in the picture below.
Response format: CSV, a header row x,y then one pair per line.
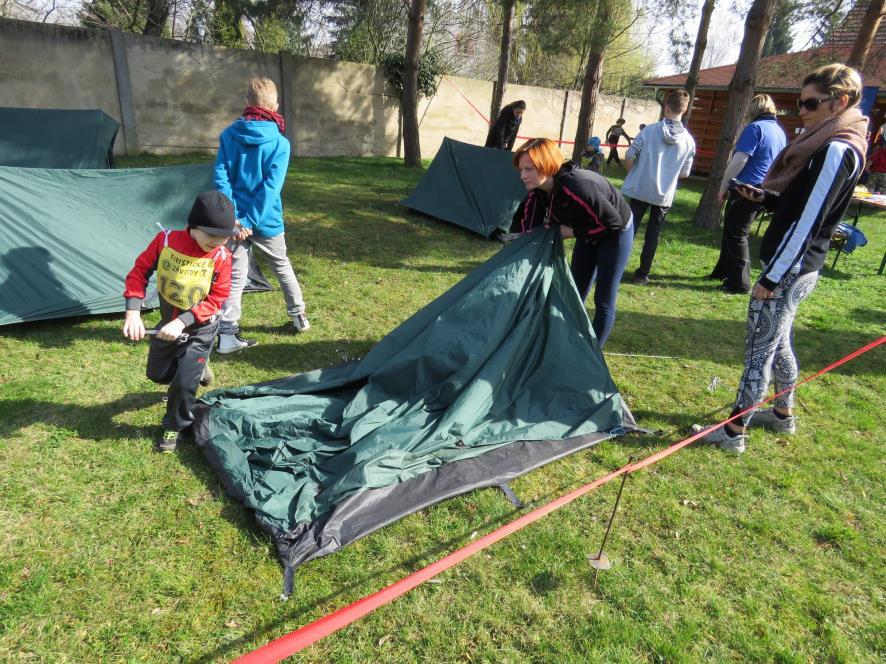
x,y
877,168
253,156
592,157
193,279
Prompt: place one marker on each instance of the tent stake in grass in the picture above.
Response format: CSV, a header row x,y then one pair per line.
x,y
601,560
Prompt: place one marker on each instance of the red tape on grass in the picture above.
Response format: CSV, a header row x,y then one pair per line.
x,y
305,636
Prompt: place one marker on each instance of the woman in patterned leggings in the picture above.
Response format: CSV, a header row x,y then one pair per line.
x,y
807,189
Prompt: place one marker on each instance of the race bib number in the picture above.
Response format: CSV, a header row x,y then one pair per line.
x,y
182,280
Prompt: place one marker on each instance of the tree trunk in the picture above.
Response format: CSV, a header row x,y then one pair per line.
x,y
588,108
409,98
741,89
158,12
504,58
701,43
869,26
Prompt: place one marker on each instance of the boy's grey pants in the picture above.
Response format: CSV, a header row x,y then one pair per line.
x,y
274,248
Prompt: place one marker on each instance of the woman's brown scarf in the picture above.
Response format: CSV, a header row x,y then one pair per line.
x,y
849,126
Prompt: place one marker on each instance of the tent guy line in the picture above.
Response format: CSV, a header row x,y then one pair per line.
x,y
303,637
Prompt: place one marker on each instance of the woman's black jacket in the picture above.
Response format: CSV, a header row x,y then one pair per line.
x,y
581,199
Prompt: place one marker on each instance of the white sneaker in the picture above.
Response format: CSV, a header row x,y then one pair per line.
x,y
766,417
722,439
300,322
231,343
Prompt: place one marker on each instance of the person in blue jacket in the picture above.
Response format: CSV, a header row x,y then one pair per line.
x,y
760,142
253,156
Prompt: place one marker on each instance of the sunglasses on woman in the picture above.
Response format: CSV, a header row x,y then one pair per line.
x,y
812,103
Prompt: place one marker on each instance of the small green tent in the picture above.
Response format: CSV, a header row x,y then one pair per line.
x,y
70,236
471,186
497,376
56,138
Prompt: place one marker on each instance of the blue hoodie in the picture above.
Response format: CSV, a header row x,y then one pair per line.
x,y
250,169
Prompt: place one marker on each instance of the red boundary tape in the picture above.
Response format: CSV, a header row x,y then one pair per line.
x,y
704,153
311,633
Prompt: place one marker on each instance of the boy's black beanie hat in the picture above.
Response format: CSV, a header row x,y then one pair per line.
x,y
212,213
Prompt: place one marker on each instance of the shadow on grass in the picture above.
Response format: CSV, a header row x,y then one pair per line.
x,y
723,342
89,422
287,359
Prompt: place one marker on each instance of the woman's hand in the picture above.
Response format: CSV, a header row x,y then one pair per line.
x,y
566,232
761,292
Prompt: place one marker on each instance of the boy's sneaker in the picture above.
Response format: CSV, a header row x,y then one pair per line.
x,y
723,439
231,343
766,418
208,375
300,322
640,280
168,440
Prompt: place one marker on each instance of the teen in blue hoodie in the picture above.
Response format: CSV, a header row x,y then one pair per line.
x,y
253,156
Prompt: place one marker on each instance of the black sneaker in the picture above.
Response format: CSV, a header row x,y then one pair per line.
x,y
208,376
640,280
168,440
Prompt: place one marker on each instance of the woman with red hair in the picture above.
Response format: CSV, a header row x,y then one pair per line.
x,y
588,208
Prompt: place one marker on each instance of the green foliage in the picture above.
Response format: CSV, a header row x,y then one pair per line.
x,y
111,553
558,37
127,15
430,67
365,30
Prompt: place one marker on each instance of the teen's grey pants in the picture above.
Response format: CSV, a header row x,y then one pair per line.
x,y
274,249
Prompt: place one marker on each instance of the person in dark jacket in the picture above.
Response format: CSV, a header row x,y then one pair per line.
x,y
588,208
613,135
503,131
760,142
807,190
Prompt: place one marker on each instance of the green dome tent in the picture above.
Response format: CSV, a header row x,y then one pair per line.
x,y
497,376
470,186
56,138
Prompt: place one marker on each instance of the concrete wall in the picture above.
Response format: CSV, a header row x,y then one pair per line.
x,y
173,96
340,108
50,66
185,94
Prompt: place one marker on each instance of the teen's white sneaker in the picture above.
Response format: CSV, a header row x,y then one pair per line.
x,y
300,322
231,343
722,439
766,418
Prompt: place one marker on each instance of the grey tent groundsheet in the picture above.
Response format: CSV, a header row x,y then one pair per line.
x,y
497,376
470,186
56,138
70,236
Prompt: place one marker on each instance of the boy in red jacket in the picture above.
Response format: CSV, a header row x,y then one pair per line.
x,y
193,279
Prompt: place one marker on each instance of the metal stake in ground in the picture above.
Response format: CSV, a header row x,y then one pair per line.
x,y
601,561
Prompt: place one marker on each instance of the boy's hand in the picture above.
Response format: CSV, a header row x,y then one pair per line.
x,y
242,231
566,232
133,327
172,330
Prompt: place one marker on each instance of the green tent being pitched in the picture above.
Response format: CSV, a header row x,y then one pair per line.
x,y
56,138
471,186
497,376
70,236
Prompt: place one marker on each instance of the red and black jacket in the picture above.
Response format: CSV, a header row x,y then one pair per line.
x,y
193,284
581,199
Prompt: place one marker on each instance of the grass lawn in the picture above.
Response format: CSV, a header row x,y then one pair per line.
x,y
109,552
